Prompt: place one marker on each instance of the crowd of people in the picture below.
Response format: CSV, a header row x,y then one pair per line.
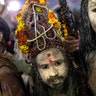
x,y
45,60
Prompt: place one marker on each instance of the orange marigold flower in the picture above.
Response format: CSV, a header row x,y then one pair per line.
x,y
52,20
50,14
42,1
65,30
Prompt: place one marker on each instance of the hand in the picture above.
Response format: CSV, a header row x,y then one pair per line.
x,y
72,43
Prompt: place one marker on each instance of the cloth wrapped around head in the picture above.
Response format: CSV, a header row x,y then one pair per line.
x,y
38,28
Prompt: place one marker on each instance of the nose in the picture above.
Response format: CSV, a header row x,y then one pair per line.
x,y
53,71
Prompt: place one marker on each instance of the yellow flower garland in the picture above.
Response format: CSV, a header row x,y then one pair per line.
x,y
21,28
42,2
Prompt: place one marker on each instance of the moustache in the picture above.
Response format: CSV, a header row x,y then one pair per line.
x,y
53,78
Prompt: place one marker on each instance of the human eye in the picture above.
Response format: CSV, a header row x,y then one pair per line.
x,y
94,10
45,66
59,62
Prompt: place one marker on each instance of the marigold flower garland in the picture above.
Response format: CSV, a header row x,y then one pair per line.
x,y
21,28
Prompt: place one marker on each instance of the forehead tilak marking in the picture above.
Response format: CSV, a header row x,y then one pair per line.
x,y
48,55
50,61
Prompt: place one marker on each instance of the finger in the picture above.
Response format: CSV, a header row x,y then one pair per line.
x,y
70,38
73,50
72,42
73,46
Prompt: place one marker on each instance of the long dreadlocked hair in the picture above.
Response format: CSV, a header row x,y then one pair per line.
x,y
88,36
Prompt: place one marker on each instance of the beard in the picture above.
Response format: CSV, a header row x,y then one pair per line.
x,y
57,83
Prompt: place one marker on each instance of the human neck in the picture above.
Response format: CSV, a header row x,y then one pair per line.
x,y
61,90
54,93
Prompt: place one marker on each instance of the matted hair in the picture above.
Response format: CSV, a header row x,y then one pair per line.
x,y
87,35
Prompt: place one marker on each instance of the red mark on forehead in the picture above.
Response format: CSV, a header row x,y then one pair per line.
x,y
50,62
48,54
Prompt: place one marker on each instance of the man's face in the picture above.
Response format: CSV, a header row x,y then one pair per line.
x,y
92,13
52,67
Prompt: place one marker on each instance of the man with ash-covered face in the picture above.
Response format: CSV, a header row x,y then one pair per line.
x,y
54,73
88,39
53,69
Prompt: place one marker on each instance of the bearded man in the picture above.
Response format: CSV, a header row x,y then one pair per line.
x,y
42,38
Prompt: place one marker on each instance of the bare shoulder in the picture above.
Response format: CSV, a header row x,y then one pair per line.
x,y
4,70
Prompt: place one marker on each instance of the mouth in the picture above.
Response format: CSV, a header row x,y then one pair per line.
x,y
56,84
56,81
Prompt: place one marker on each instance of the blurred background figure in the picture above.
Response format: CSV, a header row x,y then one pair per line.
x,y
5,41
7,14
7,28
11,83
3,7
12,8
